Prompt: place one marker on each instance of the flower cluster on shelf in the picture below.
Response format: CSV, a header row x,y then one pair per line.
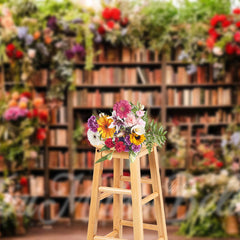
x,y
21,125
127,129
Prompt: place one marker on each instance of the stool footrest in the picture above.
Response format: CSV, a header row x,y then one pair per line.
x,y
148,226
149,198
104,195
114,233
107,238
113,190
143,180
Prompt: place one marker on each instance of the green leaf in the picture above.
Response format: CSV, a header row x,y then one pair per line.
x,y
106,157
104,148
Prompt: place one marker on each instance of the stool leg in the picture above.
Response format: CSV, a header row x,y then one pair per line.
x,y
94,206
117,198
158,202
136,199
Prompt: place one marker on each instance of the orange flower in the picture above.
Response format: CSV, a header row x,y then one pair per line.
x,y
104,122
37,102
12,103
15,95
22,105
36,35
47,39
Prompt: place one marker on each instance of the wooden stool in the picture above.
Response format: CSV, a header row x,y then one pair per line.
x,y
99,193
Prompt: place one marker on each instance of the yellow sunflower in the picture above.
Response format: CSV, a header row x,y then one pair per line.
x,y
104,122
137,139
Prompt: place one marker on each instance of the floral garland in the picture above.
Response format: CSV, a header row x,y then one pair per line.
x,y
126,130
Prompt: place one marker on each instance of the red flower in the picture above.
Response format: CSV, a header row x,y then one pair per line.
x,y
209,154
216,19
237,37
10,49
110,24
120,147
101,30
219,164
109,143
115,14
124,22
238,24
18,54
107,13
43,115
33,113
226,23
26,94
213,33
41,133
206,163
23,181
230,49
236,11
210,42
237,49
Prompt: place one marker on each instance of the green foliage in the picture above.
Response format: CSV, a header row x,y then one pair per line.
x,y
78,132
106,157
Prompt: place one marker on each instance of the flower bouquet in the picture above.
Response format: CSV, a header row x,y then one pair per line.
x,y
126,130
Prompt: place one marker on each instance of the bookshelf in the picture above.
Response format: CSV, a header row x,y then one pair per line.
x,y
68,167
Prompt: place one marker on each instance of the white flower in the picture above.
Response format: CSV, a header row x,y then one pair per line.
x,y
217,51
138,129
224,173
31,53
94,138
233,184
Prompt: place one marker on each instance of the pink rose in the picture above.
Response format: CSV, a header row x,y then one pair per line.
x,y
140,113
141,122
131,120
7,22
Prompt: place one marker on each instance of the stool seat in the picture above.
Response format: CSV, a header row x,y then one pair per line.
x,y
101,192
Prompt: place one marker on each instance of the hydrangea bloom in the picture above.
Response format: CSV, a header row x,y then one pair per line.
x,y
122,108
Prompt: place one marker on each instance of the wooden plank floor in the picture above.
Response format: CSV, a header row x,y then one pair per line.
x,y
78,232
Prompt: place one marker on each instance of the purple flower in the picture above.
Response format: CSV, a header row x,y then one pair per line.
x,y
13,113
77,20
29,39
22,32
126,149
136,148
92,27
78,49
52,23
124,31
69,54
127,140
92,124
98,38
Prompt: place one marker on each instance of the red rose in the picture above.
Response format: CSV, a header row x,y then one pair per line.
x,y
23,181
101,30
110,24
41,133
238,24
236,11
43,115
219,164
237,36
115,14
106,13
217,19
230,49
226,23
213,33
26,94
18,54
10,47
120,147
109,143
209,154
210,42
124,22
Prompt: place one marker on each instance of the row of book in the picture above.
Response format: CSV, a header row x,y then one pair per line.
x,y
59,188
117,75
57,137
176,211
203,75
40,78
36,186
58,115
174,186
219,116
58,159
37,163
84,98
126,55
85,159
199,96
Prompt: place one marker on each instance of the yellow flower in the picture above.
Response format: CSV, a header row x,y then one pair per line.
x,y
137,139
104,122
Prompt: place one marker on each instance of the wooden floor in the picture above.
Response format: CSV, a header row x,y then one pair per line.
x,y
78,232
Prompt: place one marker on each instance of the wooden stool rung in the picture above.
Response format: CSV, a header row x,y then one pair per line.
x,y
104,195
148,226
107,238
149,198
143,180
113,190
114,233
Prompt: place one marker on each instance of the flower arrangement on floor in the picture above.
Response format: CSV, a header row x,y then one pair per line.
x,y
21,125
214,197
126,130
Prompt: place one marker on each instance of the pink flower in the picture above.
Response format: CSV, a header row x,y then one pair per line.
x,y
33,155
122,108
141,122
14,113
237,37
24,99
140,113
109,143
120,147
131,120
7,22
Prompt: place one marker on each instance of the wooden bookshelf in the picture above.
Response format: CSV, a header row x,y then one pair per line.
x,y
189,118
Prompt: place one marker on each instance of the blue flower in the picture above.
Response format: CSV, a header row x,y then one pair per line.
x,y
235,139
22,32
191,69
29,39
224,143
